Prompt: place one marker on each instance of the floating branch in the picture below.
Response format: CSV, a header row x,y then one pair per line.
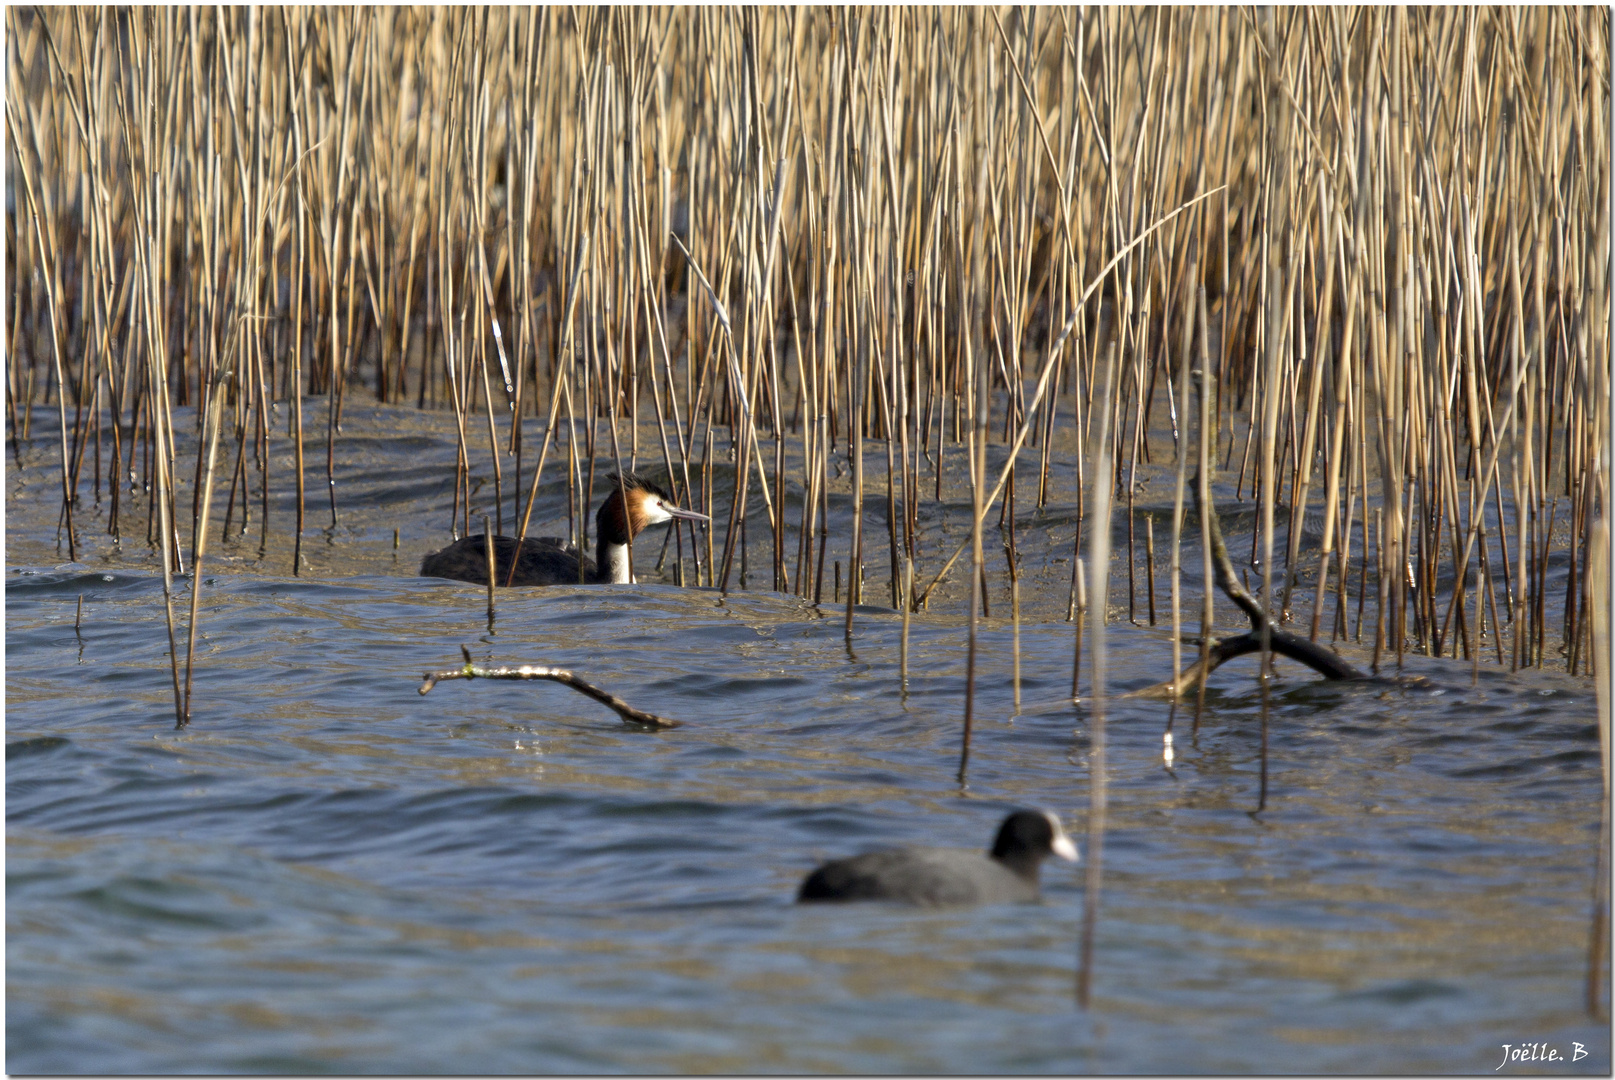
x,y
1324,661
629,714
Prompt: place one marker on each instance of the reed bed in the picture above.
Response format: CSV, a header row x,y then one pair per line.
x,y
797,257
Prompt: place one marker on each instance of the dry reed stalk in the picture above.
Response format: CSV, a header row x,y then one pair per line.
x,y
490,564
1599,582
1181,413
1279,284
886,201
908,609
978,571
54,320
1099,588
1012,560
1206,382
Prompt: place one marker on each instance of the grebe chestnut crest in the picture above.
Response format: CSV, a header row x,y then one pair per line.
x,y
633,504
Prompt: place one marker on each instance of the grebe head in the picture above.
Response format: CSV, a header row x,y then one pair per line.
x,y
633,504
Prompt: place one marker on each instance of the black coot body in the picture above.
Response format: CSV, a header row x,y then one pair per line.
x,y
937,877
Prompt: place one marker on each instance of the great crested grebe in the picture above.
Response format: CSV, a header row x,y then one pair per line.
x,y
548,561
933,877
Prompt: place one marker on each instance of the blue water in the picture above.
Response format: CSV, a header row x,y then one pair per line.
x,y
328,872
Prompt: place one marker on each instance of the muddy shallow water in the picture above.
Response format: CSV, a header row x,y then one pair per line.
x,y
328,872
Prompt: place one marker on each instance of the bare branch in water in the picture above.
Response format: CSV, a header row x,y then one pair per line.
x,y
469,670
1324,661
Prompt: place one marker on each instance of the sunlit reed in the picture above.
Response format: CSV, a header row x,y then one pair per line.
x,y
904,217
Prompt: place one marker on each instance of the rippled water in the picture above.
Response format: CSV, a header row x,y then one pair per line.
x,y
329,872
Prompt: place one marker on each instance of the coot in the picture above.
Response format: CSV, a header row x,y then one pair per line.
x,y
935,877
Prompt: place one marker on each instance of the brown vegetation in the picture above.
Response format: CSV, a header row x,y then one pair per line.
x,y
1402,238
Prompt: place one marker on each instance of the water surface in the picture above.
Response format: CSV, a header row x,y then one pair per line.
x,y
329,872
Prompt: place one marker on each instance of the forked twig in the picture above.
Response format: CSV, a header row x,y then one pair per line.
x,y
1324,661
469,670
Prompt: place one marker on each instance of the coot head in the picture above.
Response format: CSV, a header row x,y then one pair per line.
x,y
933,877
1027,837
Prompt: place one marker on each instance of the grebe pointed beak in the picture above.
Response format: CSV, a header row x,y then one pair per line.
x,y
674,511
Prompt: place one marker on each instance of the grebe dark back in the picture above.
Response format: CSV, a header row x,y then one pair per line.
x,y
547,561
